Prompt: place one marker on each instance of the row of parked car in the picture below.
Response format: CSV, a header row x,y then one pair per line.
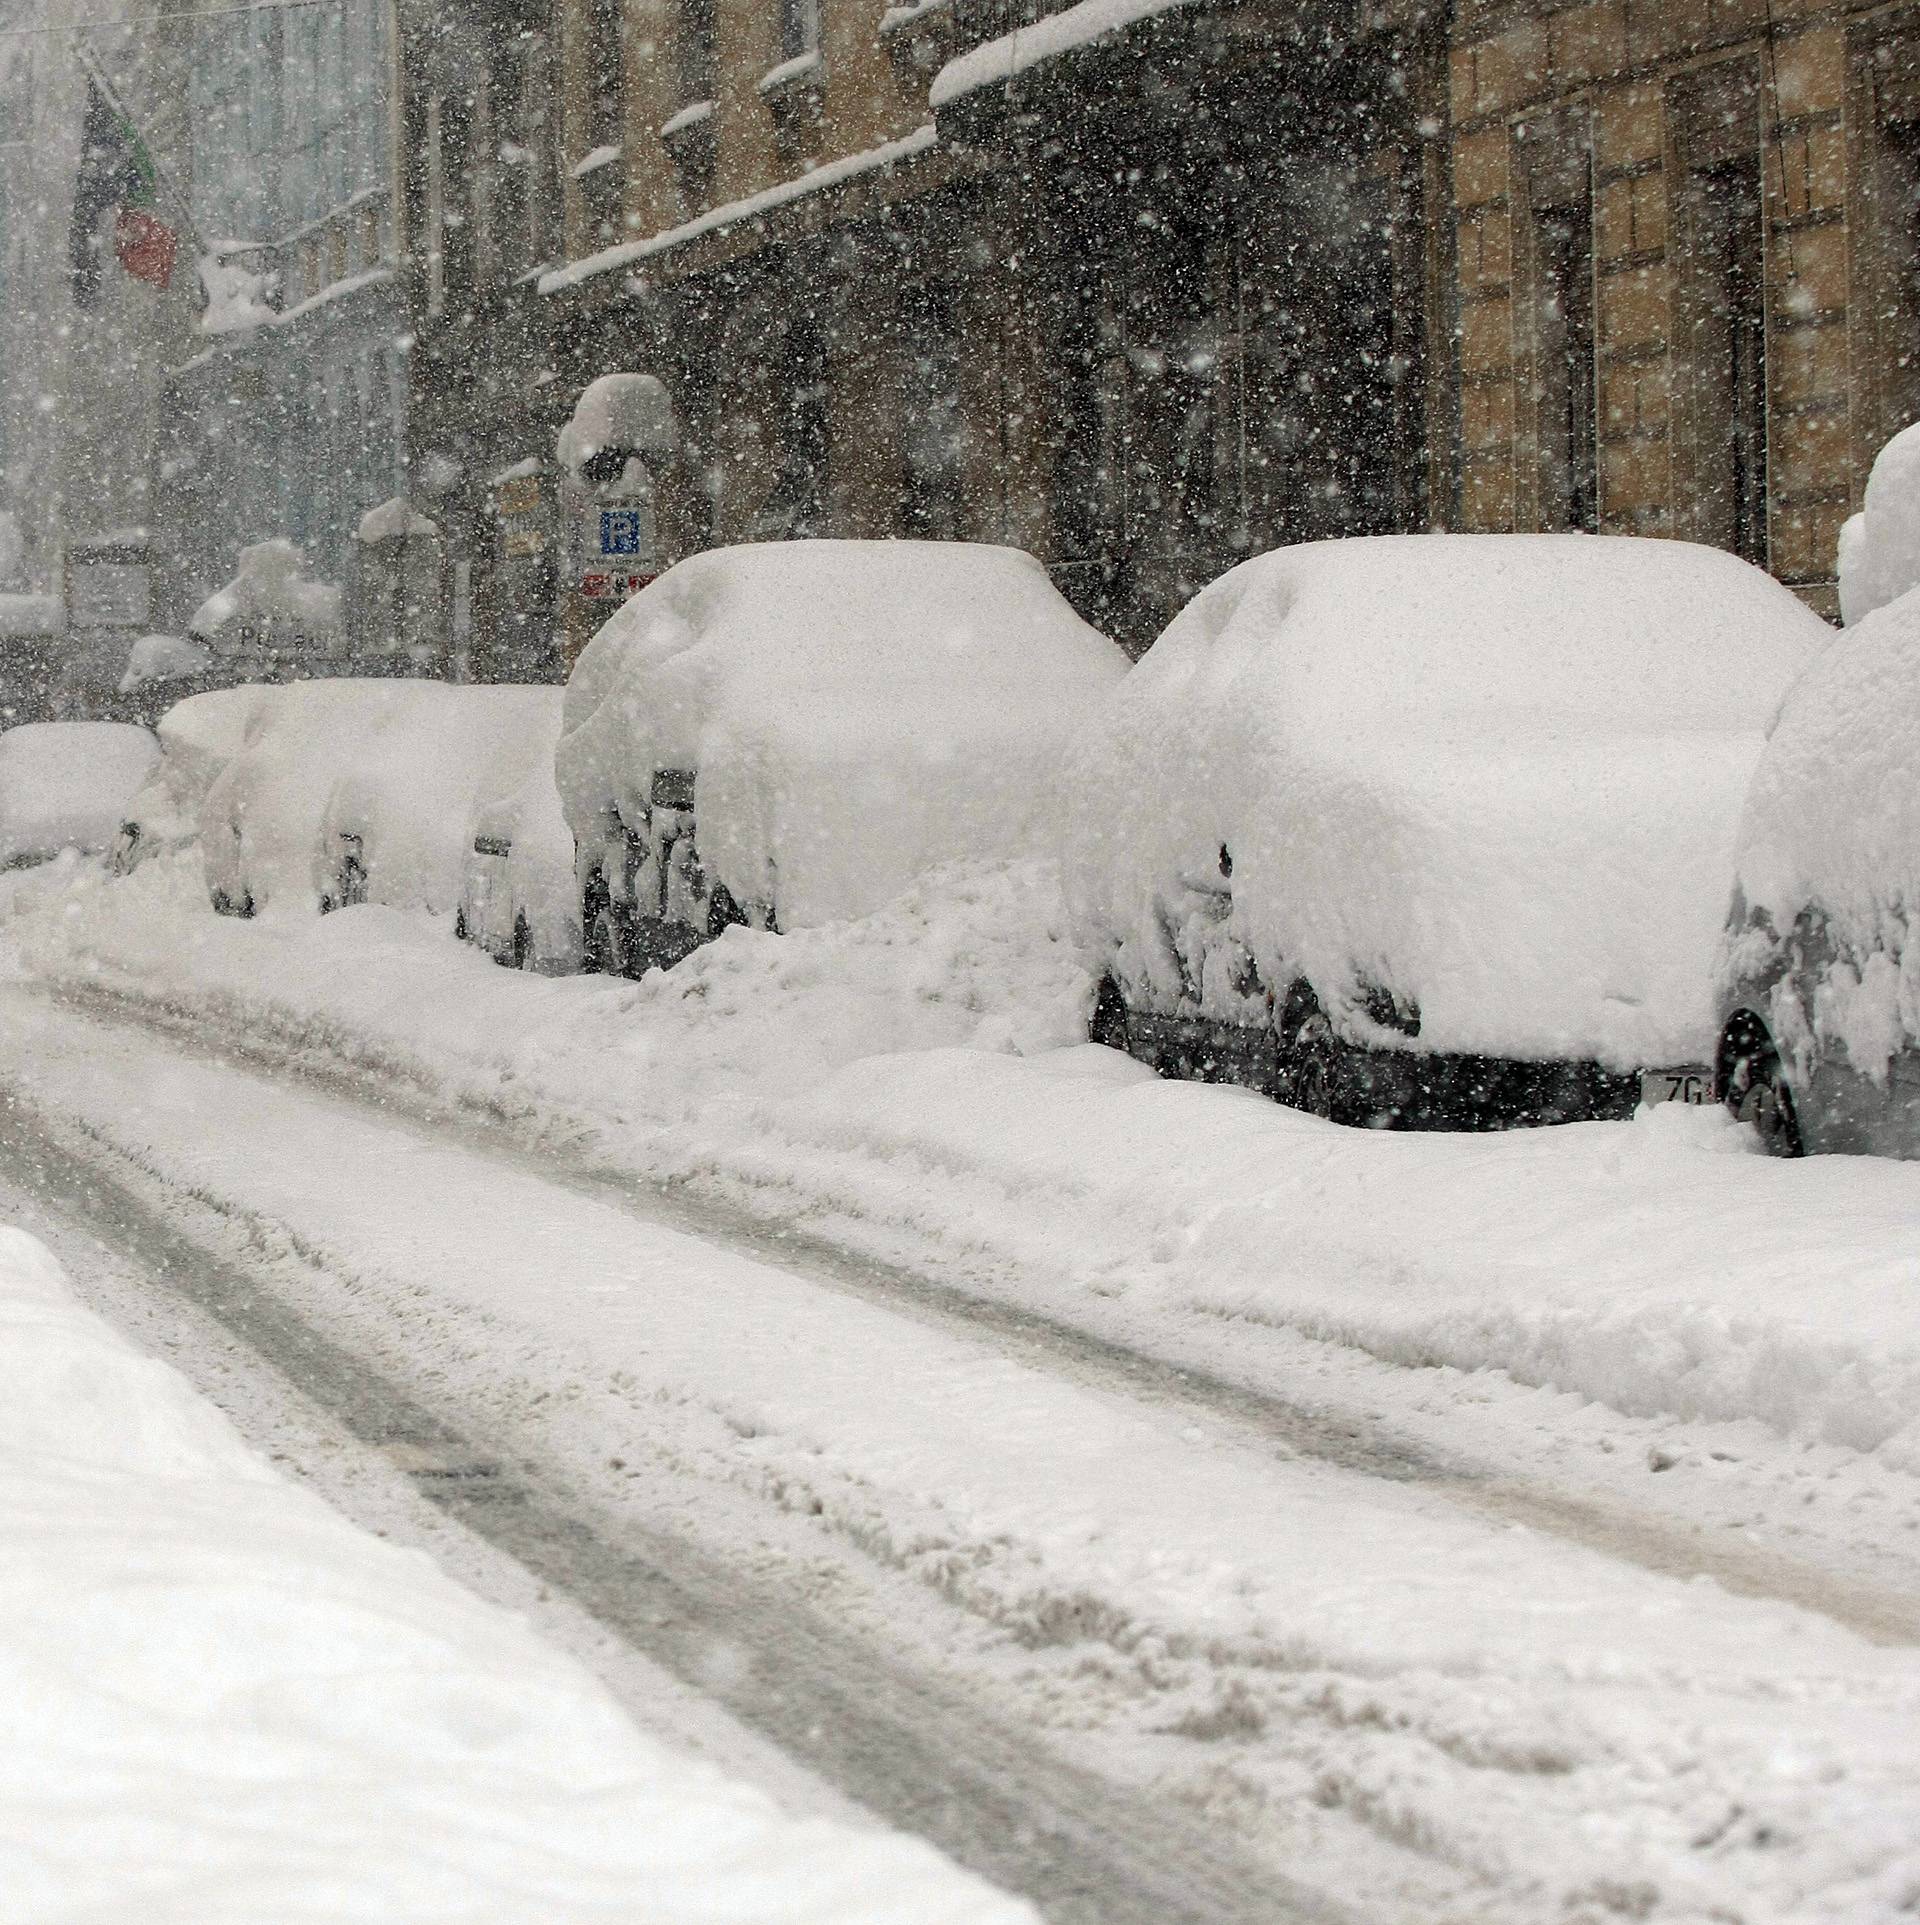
x,y
1429,831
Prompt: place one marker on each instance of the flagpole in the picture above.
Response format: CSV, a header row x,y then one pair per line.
x,y
182,210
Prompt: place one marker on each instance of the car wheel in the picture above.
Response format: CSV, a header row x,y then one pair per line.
x,y
522,944
604,948
1319,1079
1756,1089
460,930
1109,1025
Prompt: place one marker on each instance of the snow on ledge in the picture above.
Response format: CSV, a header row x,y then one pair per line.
x,y
593,162
803,66
396,519
897,19
1013,53
630,253
693,114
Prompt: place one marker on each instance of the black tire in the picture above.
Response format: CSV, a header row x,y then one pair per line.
x,y
1109,1025
1754,1086
460,930
603,947
1319,1073
522,948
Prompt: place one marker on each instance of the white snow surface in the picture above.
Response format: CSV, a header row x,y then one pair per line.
x,y
163,658
1832,825
224,1704
1549,1724
271,589
1879,558
63,785
857,713
32,615
1046,39
1497,776
395,519
198,738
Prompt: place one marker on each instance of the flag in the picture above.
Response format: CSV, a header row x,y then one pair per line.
x,y
116,171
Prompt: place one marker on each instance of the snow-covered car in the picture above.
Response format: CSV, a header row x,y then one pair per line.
x,y
397,763
198,738
836,717
1431,830
1820,977
517,898
399,819
65,785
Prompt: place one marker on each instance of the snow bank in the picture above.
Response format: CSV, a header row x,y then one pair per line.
x,y
1832,827
163,658
857,712
1879,559
226,1704
22,615
1496,776
63,785
271,598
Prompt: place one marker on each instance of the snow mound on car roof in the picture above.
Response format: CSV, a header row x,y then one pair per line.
x,y
64,784
1496,776
1832,824
856,712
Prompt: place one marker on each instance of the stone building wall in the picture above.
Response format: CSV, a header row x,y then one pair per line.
x,y
1738,181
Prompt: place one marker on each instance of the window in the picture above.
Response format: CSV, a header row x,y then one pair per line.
x,y
696,50
607,107
1720,342
931,442
1895,212
799,27
1728,351
1560,199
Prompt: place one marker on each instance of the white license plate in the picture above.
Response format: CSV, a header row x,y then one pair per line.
x,y
1689,1085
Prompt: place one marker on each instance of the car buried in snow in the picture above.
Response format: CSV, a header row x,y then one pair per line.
x,y
517,898
198,738
65,786
1819,977
789,733
1429,831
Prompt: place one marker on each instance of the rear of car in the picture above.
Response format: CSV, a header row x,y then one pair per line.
x,y
1819,978
1423,830
789,733
66,785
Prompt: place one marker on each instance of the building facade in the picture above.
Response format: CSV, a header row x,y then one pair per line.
x,y
1147,289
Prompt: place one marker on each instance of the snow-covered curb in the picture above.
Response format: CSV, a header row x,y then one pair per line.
x,y
224,1703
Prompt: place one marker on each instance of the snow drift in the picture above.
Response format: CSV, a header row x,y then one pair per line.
x,y
63,785
1495,777
1879,558
856,713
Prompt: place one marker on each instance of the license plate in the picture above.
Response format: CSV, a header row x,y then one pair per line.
x,y
1690,1085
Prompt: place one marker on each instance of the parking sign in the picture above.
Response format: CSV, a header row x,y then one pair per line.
x,y
622,531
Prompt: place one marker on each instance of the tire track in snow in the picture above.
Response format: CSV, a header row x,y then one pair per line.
x,y
891,1737
1341,1438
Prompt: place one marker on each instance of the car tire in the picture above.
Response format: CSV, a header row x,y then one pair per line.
x,y
1319,1077
1754,1087
1108,1025
522,948
604,950
460,930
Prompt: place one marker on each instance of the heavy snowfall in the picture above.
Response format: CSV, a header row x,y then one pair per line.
x,y
956,964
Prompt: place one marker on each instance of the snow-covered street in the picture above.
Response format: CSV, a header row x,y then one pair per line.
x,y
1168,1505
